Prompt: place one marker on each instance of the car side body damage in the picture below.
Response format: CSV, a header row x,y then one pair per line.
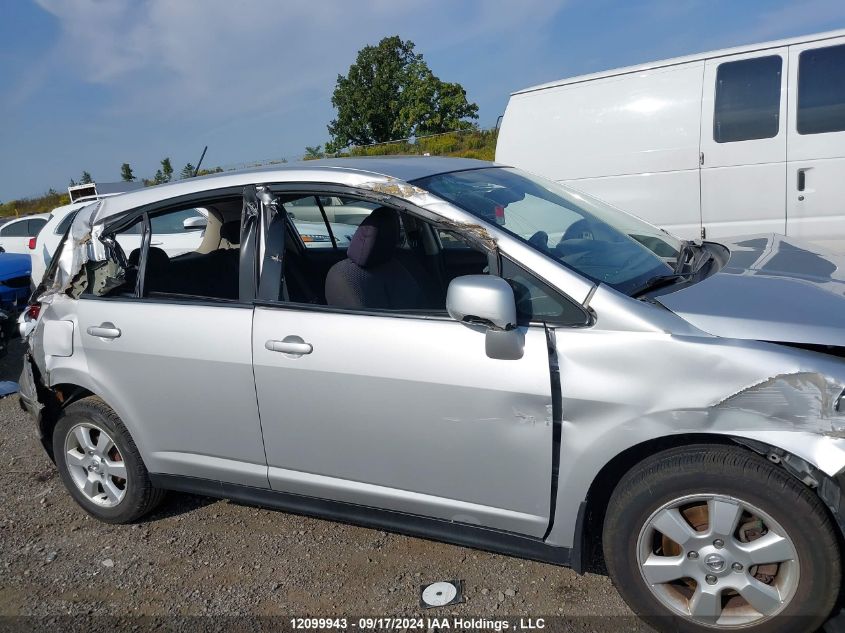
x,y
638,374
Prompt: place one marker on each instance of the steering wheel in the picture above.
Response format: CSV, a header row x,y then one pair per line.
x,y
540,241
579,230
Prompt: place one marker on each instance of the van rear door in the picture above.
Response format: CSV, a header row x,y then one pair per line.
x,y
815,187
743,144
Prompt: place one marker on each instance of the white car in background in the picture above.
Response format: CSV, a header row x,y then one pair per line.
x,y
16,235
342,217
173,235
48,238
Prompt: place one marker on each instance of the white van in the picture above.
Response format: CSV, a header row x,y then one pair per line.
x,y
737,141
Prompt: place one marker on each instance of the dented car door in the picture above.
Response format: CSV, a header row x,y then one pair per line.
x,y
405,413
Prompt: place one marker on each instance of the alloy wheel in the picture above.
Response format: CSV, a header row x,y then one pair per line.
x,y
96,465
718,560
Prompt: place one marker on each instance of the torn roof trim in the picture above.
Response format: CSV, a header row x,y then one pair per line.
x,y
350,172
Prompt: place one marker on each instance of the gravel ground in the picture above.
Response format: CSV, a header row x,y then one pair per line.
x,y
198,556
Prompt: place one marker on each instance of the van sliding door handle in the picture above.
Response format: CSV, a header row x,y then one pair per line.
x,y
291,345
802,179
104,330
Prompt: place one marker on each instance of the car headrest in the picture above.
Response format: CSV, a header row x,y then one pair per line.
x,y
375,238
231,231
157,259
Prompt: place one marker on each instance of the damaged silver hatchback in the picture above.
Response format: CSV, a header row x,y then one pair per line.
x,y
473,355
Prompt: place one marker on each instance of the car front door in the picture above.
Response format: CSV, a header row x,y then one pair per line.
x,y
404,412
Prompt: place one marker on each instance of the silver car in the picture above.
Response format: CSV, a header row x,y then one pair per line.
x,y
493,360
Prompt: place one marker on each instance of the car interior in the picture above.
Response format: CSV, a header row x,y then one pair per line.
x,y
394,261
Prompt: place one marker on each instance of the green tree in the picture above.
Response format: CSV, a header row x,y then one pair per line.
x,y
312,153
390,93
165,174
187,171
72,183
126,173
86,178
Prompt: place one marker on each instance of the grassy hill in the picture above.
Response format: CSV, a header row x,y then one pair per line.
x,y
28,206
480,144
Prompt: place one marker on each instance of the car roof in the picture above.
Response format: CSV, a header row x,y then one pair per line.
x,y
332,170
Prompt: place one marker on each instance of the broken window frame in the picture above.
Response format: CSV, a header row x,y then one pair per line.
x,y
115,224
475,235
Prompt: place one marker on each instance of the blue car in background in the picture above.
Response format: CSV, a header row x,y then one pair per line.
x,y
15,269
15,289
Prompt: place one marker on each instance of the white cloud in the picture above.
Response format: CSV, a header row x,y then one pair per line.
x,y
797,17
216,59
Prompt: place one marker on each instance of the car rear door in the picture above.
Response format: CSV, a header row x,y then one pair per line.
x,y
403,412
178,369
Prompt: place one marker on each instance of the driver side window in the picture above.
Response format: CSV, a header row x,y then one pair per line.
x,y
394,261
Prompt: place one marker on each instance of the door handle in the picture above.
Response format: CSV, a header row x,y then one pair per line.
x,y
156,243
802,179
104,330
292,346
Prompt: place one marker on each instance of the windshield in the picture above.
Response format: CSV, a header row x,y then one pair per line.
x,y
589,236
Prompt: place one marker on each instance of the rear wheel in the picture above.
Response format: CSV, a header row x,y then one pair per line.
x,y
706,538
100,464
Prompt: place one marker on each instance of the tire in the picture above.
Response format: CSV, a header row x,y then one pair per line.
x,y
755,498
109,481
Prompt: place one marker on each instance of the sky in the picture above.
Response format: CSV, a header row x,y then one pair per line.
x,y
90,84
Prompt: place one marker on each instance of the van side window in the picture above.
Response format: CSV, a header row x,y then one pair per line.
x,y
747,99
821,90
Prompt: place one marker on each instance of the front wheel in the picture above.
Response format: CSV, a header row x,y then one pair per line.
x,y
713,538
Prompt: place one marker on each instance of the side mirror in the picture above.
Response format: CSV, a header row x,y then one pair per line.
x,y
488,302
197,223
482,300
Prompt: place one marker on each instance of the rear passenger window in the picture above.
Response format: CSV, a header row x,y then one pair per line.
x,y
747,103
64,225
35,226
177,222
821,90
17,228
193,253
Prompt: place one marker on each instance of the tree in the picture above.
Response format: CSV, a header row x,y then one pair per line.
x,y
72,183
390,93
312,153
126,173
187,171
86,178
165,174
